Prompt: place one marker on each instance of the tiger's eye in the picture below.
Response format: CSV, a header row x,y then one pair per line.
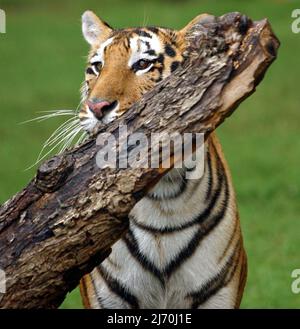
x,y
143,64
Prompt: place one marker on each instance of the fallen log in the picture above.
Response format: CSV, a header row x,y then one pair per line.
x,y
65,220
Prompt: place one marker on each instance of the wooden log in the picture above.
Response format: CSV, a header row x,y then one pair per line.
x,y
63,223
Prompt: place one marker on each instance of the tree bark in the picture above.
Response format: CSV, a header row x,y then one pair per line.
x,y
63,223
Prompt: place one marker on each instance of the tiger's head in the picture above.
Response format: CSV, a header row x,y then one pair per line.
x,y
123,65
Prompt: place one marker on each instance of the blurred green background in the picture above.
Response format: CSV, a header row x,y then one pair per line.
x,y
42,60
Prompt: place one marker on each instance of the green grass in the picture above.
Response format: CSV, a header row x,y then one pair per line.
x,y
42,62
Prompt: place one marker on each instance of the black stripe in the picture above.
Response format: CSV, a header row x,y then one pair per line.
x,y
210,177
126,44
174,66
161,59
153,29
198,219
142,33
133,247
220,280
118,288
205,228
150,52
160,69
185,253
147,43
206,225
170,51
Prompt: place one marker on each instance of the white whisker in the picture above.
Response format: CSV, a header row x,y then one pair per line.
x,y
54,111
41,156
66,140
70,126
82,138
61,128
78,107
63,136
70,139
47,116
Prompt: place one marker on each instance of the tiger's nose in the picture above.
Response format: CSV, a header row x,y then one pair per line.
x,y
100,107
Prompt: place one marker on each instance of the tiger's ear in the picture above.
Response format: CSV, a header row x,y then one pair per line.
x,y
200,19
93,28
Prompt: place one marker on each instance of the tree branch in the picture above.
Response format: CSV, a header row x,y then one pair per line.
x,y
65,221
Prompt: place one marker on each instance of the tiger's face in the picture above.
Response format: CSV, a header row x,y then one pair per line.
x,y
123,65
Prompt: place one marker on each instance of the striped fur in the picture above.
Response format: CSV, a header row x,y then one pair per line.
x,y
184,247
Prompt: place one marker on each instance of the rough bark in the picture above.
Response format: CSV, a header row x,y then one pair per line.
x,y
65,221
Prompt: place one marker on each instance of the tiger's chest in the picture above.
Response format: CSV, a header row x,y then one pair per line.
x,y
163,269
175,243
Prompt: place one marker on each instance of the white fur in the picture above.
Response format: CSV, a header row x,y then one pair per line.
x,y
138,49
100,52
196,270
88,121
90,27
111,115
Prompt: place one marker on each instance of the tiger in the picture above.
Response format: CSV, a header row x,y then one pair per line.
x,y
184,246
